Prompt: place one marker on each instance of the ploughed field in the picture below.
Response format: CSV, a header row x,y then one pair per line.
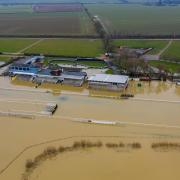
x,y
57,7
138,19
22,20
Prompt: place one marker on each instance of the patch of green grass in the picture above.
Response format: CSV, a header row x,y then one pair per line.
x,y
69,47
109,71
157,45
95,64
63,62
138,19
4,58
173,52
172,67
13,45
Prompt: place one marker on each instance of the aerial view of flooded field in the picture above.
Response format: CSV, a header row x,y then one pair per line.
x,y
146,131
89,90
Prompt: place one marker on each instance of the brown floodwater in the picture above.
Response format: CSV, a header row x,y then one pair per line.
x,y
154,89
17,133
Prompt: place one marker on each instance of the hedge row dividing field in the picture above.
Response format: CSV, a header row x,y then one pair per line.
x,y
157,45
138,19
68,47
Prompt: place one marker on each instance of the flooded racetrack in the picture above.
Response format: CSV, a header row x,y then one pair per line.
x,y
154,104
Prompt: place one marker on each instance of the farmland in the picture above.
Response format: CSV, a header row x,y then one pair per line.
x,y
4,58
15,9
68,47
173,52
138,19
58,7
157,45
14,45
21,20
172,67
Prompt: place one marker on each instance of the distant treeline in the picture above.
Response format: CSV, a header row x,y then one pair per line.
x,y
145,2
113,36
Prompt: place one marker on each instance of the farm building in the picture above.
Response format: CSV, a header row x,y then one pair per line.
x,y
33,69
23,69
26,66
74,78
108,82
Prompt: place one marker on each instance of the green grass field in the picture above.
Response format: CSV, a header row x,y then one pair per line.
x,y
173,52
172,67
157,45
109,71
4,58
69,47
138,19
14,45
94,64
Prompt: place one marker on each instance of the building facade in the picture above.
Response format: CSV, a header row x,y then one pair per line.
x,y
108,82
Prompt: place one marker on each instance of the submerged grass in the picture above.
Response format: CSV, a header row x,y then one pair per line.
x,y
50,152
166,146
134,145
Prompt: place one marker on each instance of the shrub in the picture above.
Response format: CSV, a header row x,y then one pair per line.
x,y
112,145
30,164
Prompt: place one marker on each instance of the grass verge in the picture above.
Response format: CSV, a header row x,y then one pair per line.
x,y
171,67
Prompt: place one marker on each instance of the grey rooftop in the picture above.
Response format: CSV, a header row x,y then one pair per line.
x,y
121,79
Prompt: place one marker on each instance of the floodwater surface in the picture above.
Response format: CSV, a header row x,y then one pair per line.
x,y
152,116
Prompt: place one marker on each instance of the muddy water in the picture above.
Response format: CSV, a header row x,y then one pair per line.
x,y
111,164
16,134
155,89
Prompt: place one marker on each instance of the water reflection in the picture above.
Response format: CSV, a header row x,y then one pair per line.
x,y
135,87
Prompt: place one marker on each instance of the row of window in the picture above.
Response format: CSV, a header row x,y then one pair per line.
x,y
20,68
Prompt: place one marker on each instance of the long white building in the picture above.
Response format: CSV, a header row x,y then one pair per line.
x,y
108,82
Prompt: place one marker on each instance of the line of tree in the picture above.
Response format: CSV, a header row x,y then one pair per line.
x,y
106,38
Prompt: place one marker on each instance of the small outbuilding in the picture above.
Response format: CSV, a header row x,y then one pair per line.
x,y
108,82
